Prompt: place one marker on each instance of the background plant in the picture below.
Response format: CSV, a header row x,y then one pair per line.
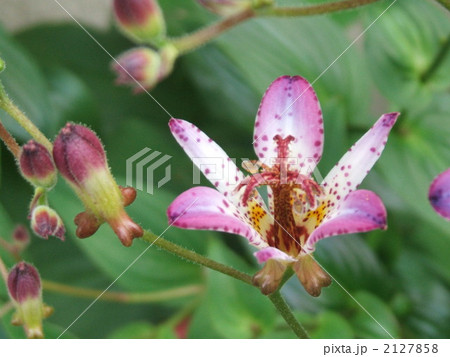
x,y
57,74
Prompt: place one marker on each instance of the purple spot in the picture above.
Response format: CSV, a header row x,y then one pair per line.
x,y
317,143
373,149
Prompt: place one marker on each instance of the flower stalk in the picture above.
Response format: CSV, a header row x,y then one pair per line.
x,y
9,141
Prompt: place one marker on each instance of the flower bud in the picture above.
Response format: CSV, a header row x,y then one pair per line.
x,y
226,7
24,287
21,236
46,222
81,159
141,20
144,67
37,166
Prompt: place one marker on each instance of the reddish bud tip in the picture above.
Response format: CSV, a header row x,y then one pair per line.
x,y
141,20
126,229
37,166
76,151
46,222
87,224
20,235
128,194
24,282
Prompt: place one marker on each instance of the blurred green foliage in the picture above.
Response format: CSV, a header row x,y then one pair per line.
x,y
401,276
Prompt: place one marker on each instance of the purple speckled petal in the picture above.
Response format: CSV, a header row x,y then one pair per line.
x,y
361,211
439,194
207,156
290,107
207,209
357,162
265,254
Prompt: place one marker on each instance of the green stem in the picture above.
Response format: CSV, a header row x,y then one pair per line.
x,y
194,40
8,106
313,9
4,309
195,258
123,297
9,141
3,271
445,3
286,312
442,53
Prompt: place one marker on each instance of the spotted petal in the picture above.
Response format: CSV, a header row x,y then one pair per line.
x,y
207,156
207,209
439,194
357,162
290,107
361,211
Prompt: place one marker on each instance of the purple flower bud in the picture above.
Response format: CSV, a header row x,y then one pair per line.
x,y
439,194
20,235
143,67
46,222
81,159
141,20
226,7
24,282
37,166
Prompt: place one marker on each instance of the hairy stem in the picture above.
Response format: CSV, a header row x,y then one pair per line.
x,y
313,9
440,56
286,312
192,41
195,257
9,141
123,297
3,271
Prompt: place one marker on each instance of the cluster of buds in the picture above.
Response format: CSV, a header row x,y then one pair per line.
x,y
24,287
81,160
37,167
143,67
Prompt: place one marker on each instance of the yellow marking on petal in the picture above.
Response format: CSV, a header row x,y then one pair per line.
x,y
258,218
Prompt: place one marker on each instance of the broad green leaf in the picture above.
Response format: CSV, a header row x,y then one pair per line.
x,y
137,329
25,85
364,325
332,325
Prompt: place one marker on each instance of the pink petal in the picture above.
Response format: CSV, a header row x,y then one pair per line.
x,y
207,156
361,211
265,254
439,194
357,162
207,209
290,107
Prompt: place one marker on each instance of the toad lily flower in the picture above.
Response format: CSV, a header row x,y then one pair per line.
x,y
289,139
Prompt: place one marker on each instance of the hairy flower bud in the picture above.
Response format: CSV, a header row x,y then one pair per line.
x,y
141,20
81,159
24,287
143,68
46,222
37,166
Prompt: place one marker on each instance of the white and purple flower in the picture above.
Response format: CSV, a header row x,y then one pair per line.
x,y
288,139
439,194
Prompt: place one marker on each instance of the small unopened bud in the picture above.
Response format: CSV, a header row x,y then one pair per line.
x,y
311,275
142,68
226,7
46,222
81,159
141,20
24,287
21,236
37,166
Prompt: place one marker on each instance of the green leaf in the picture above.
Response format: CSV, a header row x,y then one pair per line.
x,y
332,325
134,330
401,49
365,325
235,309
25,85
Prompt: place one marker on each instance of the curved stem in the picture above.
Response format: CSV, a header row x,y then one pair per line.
x,y
440,56
3,271
8,106
9,141
192,41
313,9
123,297
286,312
195,257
